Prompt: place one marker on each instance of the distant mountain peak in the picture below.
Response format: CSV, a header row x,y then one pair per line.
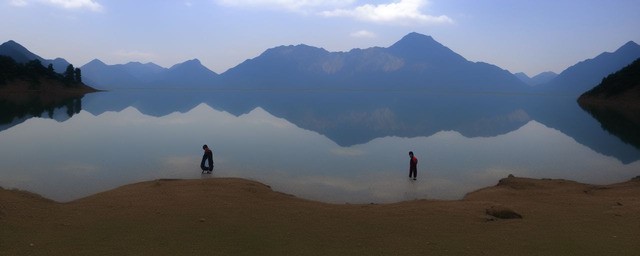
x,y
193,65
18,52
96,62
542,78
416,40
629,46
300,53
188,63
416,46
417,36
14,45
193,61
524,77
294,49
297,46
148,66
586,74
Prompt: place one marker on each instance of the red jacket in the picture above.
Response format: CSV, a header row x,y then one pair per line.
x,y
413,163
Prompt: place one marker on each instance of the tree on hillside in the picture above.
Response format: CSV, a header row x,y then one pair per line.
x,y
35,68
50,71
78,75
33,72
8,69
619,82
69,75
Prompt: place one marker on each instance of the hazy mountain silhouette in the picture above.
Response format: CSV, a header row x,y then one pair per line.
x,y
18,52
283,66
538,79
187,74
621,87
416,61
586,74
144,72
22,55
103,76
138,75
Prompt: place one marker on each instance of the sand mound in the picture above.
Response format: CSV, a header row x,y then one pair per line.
x,y
235,216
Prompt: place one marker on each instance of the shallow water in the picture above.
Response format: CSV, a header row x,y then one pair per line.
x,y
340,146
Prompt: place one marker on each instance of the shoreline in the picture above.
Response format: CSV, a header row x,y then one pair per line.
x,y
231,216
500,182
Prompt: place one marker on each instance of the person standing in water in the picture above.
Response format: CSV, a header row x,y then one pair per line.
x,y
208,157
413,165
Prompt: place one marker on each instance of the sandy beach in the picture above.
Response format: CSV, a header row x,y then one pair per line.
x,y
228,216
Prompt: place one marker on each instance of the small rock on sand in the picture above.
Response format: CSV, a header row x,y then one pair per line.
x,y
502,212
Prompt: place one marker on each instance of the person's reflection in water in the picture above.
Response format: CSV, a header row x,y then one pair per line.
x,y
208,156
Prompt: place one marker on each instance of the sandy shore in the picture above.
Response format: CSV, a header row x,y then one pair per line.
x,y
229,216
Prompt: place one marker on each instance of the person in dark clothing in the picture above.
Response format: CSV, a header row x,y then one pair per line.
x,y
413,166
208,156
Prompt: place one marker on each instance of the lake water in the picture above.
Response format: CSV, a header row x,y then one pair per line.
x,y
331,146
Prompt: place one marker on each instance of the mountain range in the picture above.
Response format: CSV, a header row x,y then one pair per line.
x,y
21,55
586,74
138,75
620,89
414,62
538,79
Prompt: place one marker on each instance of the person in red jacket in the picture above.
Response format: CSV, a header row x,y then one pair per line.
x,y
208,157
413,166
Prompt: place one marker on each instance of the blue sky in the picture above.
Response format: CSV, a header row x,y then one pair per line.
x,y
517,35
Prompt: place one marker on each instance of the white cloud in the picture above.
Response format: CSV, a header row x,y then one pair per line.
x,y
66,4
400,12
396,12
18,2
77,4
363,34
292,5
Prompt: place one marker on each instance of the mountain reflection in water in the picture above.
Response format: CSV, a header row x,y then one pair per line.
x,y
342,146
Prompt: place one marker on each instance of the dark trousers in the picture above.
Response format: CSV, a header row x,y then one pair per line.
x,y
413,172
209,160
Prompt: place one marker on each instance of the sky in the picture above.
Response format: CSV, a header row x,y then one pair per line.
x,y
530,36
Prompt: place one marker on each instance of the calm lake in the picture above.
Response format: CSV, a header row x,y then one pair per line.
x,y
331,146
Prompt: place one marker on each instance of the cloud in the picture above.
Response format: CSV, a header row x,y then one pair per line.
x,y
18,2
77,4
400,12
396,12
66,4
291,5
363,34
